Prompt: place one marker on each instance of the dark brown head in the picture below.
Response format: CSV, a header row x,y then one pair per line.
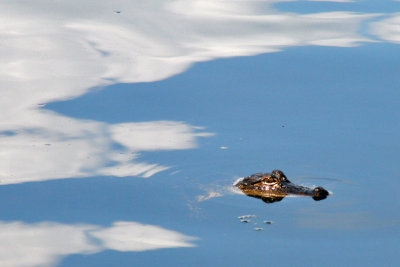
x,y
274,186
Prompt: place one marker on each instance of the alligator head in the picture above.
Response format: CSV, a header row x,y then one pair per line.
x,y
274,186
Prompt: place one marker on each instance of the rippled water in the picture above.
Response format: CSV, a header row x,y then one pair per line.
x,y
124,126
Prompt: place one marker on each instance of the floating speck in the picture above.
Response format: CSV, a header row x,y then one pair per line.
x,y
174,172
247,216
268,222
223,147
258,229
245,221
117,11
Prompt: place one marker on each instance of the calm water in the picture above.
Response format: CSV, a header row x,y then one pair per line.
x,y
124,126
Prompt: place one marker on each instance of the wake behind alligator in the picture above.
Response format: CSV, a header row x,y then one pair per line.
x,y
274,186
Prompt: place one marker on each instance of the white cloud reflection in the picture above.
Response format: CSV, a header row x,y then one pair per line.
x,y
58,50
388,29
59,147
46,243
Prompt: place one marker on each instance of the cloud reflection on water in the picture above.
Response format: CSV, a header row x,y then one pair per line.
x,y
46,243
388,29
57,51
59,147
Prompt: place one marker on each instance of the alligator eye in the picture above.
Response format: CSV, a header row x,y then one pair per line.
x,y
270,180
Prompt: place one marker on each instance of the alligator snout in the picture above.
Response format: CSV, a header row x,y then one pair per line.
x,y
320,193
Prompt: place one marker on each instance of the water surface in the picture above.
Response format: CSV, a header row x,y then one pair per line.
x,y
125,125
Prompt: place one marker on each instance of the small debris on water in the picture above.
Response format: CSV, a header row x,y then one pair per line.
x,y
247,216
268,222
209,196
258,229
117,11
223,147
245,221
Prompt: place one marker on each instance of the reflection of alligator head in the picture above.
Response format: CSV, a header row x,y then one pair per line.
x,y
272,187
